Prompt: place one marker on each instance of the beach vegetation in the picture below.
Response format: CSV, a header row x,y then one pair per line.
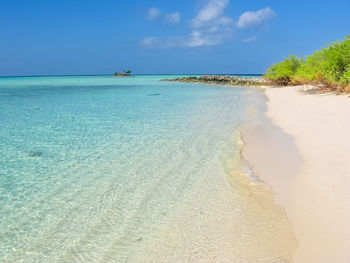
x,y
126,73
329,66
283,73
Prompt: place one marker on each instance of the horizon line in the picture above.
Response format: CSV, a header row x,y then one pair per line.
x,y
106,74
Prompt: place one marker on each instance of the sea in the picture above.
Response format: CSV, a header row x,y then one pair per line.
x,y
133,169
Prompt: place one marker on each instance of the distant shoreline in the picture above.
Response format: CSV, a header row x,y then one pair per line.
x,y
223,79
136,74
123,76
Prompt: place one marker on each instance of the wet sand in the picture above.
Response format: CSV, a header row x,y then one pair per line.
x,y
229,218
301,148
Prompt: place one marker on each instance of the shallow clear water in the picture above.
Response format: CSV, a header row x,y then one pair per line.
x,y
94,168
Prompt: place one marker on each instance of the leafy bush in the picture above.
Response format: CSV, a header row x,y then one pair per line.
x,y
284,71
345,79
312,69
331,65
337,60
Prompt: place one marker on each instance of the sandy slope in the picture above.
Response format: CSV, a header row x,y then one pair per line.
x,y
316,191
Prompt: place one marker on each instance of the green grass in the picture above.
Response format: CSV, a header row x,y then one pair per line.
x,y
329,66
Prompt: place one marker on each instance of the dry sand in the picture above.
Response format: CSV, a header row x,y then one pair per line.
x,y
301,147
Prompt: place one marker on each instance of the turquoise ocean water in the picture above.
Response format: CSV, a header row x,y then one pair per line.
x,y
104,169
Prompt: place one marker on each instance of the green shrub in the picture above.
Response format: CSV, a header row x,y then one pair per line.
x,y
331,65
345,79
312,69
284,71
337,60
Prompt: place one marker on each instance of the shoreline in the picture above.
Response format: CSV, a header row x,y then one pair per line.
x,y
311,179
231,218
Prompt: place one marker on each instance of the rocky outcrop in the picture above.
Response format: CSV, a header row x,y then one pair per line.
x,y
224,79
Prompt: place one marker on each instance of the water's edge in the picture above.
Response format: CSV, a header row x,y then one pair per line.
x,y
271,154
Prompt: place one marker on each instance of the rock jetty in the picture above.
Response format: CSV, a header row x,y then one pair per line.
x,y
224,79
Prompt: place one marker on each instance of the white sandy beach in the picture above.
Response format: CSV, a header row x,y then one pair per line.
x,y
306,160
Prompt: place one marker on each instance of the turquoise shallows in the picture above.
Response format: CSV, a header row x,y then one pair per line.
x,y
92,166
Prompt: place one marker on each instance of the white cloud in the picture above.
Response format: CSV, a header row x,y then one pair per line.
x,y
209,13
198,39
154,13
250,39
157,42
194,40
254,19
210,27
173,17
149,42
224,21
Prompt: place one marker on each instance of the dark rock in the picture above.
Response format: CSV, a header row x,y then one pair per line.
x,y
224,79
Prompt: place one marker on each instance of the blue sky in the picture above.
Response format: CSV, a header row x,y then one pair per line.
x,y
41,37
